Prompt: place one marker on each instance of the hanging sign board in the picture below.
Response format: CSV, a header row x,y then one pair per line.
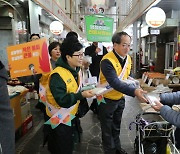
x,y
56,27
99,28
155,17
28,58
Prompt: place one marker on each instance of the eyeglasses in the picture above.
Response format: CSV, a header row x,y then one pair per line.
x,y
126,45
79,55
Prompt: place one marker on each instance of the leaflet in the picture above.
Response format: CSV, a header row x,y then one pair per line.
x,y
151,99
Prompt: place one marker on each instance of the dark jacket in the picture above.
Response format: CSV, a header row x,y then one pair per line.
x,y
169,99
7,132
53,63
95,65
58,87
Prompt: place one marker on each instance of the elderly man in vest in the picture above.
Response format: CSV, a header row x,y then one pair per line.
x,y
115,69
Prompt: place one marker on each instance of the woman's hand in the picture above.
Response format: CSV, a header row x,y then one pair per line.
x,y
158,106
97,50
87,93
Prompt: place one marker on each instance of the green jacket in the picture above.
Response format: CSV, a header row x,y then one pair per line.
x,y
58,87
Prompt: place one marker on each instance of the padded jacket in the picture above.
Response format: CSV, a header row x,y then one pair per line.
x,y
7,132
169,99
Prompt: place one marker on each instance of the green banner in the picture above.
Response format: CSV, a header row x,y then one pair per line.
x,y
99,28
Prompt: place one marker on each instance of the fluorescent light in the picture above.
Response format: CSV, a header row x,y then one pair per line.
x,y
155,3
99,2
99,16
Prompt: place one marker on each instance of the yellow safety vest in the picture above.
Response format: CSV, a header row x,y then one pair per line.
x,y
114,94
71,86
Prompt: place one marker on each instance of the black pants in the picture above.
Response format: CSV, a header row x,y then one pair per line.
x,y
94,106
61,139
110,115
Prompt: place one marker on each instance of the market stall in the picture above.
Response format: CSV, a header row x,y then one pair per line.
x,y
20,107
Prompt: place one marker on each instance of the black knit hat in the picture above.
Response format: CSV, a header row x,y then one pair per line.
x,y
52,46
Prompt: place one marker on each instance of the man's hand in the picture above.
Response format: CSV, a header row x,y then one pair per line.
x,y
158,106
139,93
97,50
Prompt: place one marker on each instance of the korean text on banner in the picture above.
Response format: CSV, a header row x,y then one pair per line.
x,y
28,58
99,28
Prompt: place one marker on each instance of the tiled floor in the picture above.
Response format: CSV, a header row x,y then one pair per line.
x,y
31,143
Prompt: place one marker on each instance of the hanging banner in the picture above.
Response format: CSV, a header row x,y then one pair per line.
x,y
99,28
28,58
96,9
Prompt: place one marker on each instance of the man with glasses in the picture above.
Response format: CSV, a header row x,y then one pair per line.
x,y
115,67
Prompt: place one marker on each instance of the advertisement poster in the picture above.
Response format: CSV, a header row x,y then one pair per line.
x,y
28,58
99,28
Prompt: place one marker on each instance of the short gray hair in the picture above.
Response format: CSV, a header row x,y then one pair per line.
x,y
116,38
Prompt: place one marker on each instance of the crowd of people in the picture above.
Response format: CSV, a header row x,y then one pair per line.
x,y
64,84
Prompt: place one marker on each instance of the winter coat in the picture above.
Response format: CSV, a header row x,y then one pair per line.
x,y
169,99
95,65
7,132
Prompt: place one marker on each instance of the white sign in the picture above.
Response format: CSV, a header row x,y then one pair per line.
x,y
56,27
155,31
100,46
155,17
